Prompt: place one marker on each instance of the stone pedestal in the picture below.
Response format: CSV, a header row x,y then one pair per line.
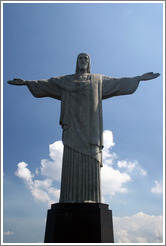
x,y
79,223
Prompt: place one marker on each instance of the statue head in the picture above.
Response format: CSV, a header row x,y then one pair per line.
x,y
83,63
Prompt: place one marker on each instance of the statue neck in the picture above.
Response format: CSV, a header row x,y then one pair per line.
x,y
82,71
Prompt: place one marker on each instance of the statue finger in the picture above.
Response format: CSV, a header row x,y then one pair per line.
x,y
10,82
156,75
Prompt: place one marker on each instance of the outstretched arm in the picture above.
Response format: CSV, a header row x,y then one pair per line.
x,y
123,86
40,88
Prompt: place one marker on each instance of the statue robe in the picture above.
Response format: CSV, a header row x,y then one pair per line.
x,y
81,121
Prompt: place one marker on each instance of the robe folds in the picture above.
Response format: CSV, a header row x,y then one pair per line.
x,y
82,123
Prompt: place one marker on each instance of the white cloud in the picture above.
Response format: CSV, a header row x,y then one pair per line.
x,y
142,172
128,165
138,228
113,181
23,172
108,139
40,195
56,150
158,188
52,169
131,166
42,183
116,173
41,190
108,157
8,233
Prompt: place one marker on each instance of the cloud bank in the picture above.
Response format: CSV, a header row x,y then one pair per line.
x,y
52,168
116,173
41,190
138,228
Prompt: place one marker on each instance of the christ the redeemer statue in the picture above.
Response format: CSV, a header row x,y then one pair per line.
x,y
81,96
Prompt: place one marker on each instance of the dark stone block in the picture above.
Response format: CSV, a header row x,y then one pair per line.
x,y
79,223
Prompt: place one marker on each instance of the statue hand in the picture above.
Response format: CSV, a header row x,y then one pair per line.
x,y
148,76
17,82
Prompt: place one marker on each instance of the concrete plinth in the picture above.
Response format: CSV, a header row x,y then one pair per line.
x,y
79,223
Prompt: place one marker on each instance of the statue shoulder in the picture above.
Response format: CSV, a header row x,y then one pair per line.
x,y
97,76
62,78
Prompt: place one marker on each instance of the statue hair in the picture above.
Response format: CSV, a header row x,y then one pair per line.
x,y
77,67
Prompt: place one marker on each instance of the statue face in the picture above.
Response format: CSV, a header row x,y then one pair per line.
x,y
83,61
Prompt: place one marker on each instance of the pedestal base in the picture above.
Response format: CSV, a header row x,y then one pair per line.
x,y
79,223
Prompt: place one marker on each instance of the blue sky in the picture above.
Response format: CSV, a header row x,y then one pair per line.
x,y
42,40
